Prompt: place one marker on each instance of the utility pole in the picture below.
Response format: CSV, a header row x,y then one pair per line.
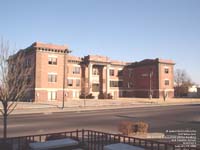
x,y
66,52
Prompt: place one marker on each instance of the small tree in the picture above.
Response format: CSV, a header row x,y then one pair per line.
x,y
182,82
126,127
13,81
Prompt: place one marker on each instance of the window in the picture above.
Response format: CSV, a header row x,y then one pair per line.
x,y
166,82
77,82
70,82
52,61
120,72
52,77
120,84
112,72
130,73
129,84
113,84
28,81
166,70
52,95
27,63
76,70
95,87
95,71
116,83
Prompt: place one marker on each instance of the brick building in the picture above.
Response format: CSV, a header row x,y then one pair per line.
x,y
56,75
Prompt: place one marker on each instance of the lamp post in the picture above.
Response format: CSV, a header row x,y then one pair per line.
x,y
66,52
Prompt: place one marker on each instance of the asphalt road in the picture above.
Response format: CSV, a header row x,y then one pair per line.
x,y
158,118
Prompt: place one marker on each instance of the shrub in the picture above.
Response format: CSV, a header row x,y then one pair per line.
x,y
104,96
142,127
89,96
125,127
128,127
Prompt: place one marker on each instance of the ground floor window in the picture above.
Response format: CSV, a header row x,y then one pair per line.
x,y
116,83
52,95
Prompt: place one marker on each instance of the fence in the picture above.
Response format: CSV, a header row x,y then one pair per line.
x,y
91,140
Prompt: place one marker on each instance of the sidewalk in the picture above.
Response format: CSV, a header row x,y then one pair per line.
x,y
91,105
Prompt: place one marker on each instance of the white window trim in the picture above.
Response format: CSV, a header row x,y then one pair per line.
x,y
116,80
51,97
76,65
52,56
52,73
73,78
166,67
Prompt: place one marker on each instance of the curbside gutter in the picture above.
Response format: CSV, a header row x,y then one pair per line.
x,y
55,109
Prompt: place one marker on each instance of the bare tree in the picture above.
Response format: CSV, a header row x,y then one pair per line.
x,y
182,82
13,81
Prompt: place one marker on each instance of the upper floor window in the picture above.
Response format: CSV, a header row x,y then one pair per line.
x,y
77,82
120,72
27,63
166,82
166,70
112,72
70,82
76,70
95,71
120,83
52,77
52,61
28,81
130,73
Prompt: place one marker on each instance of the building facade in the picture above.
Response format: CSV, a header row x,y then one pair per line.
x,y
58,76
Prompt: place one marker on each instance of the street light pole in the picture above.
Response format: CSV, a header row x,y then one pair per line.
x,y
66,52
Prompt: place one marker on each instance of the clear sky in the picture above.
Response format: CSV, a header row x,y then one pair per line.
x,y
128,30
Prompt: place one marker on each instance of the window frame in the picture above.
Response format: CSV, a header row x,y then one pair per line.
x,y
95,71
112,72
114,84
76,70
52,95
120,73
167,81
78,82
166,70
52,60
70,83
52,77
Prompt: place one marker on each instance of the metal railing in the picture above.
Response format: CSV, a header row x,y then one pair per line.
x,y
91,140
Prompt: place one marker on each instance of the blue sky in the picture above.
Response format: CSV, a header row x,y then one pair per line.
x,y
128,30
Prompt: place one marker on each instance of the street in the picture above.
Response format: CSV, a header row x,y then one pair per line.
x,y
159,119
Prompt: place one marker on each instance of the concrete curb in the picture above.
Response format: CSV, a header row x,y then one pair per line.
x,y
51,110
